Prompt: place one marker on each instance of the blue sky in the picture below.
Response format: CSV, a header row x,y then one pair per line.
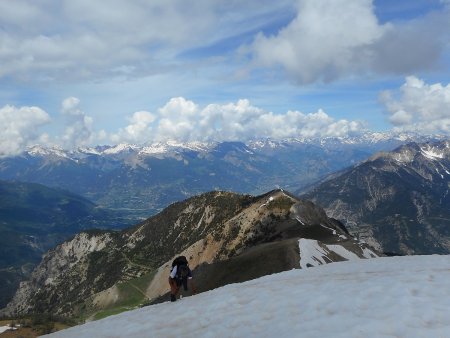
x,y
77,73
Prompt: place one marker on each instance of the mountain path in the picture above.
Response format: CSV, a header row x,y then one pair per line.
x,y
135,264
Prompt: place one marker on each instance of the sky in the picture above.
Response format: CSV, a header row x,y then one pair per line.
x,y
380,297
79,73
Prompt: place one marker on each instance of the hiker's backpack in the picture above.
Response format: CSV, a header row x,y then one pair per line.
x,y
182,267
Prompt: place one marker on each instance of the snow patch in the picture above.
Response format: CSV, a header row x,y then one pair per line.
x,y
88,151
331,229
343,252
382,297
442,176
312,253
158,148
369,253
120,148
7,328
432,154
172,146
42,151
268,201
405,157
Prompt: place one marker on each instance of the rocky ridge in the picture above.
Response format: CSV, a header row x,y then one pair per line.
x,y
227,238
398,201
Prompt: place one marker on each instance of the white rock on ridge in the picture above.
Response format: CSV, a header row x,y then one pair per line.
x,y
53,263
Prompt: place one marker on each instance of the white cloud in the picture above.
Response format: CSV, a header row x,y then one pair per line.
x,y
326,39
138,131
79,130
330,39
419,106
298,124
77,40
176,120
232,121
401,117
70,106
90,40
179,119
83,39
20,128
183,120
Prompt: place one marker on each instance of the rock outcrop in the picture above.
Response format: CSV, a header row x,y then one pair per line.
x,y
399,201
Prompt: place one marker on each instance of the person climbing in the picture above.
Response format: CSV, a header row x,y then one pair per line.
x,y
180,274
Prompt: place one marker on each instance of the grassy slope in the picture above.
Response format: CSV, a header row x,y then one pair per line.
x,y
131,295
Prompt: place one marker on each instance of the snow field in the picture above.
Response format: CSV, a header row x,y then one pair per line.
x,y
4,328
381,297
312,254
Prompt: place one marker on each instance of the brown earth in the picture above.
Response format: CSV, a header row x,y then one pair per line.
x,y
258,261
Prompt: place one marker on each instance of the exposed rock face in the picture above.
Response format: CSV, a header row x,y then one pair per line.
x,y
34,219
226,237
57,268
398,201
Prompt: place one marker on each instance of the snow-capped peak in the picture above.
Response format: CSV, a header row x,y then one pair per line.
x,y
120,148
436,151
89,151
170,147
156,148
38,150
165,147
432,154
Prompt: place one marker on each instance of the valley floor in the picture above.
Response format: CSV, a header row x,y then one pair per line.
x,y
381,297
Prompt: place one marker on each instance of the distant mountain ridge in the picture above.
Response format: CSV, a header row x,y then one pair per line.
x,y
398,201
227,238
145,179
172,147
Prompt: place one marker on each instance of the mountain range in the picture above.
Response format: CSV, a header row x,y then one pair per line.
x,y
34,219
227,238
397,201
145,179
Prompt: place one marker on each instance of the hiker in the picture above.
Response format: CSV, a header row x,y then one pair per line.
x,y
180,275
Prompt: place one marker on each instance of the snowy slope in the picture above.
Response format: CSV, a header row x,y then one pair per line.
x,y
6,328
380,297
314,254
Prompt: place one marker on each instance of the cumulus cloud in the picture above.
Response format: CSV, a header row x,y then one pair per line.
x,y
138,131
79,130
419,106
20,128
298,124
176,120
183,120
330,39
179,120
177,117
